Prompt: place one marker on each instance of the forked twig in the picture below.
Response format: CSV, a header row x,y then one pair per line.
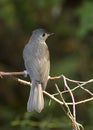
x,y
62,102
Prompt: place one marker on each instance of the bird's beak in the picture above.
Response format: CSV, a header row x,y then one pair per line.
x,y
49,34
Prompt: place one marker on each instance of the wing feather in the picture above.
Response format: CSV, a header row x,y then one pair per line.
x,y
37,62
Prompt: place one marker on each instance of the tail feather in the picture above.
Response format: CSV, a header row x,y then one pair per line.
x,y
35,101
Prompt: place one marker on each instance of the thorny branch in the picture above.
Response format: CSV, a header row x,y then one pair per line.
x,y
62,102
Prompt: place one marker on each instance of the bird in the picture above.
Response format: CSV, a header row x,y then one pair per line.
x,y
37,63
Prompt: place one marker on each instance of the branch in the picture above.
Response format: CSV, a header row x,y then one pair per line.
x,y
11,73
73,117
52,96
62,102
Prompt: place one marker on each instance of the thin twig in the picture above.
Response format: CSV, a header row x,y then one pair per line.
x,y
11,73
76,125
75,88
86,90
52,95
49,95
73,101
67,111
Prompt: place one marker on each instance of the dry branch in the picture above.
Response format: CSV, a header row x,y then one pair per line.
x,y
62,102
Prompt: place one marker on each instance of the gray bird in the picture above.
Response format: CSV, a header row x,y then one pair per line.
x,y
37,63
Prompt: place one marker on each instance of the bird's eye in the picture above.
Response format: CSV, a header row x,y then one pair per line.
x,y
43,34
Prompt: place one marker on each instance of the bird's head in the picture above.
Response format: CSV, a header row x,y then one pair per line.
x,y
41,34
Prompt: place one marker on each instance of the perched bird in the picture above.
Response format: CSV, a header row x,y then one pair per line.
x,y
37,63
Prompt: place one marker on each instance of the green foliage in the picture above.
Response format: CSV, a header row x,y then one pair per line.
x,y
85,13
7,12
43,121
66,66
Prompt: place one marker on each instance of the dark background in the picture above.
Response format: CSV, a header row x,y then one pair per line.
x,y
71,50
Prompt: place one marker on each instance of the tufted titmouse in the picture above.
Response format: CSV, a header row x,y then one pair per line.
x,y
37,63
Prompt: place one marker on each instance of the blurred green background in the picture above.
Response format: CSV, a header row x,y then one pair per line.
x,y
71,50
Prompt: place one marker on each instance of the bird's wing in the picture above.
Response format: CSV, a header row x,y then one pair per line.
x,y
37,62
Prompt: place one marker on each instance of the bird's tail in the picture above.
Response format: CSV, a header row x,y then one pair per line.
x,y
35,101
